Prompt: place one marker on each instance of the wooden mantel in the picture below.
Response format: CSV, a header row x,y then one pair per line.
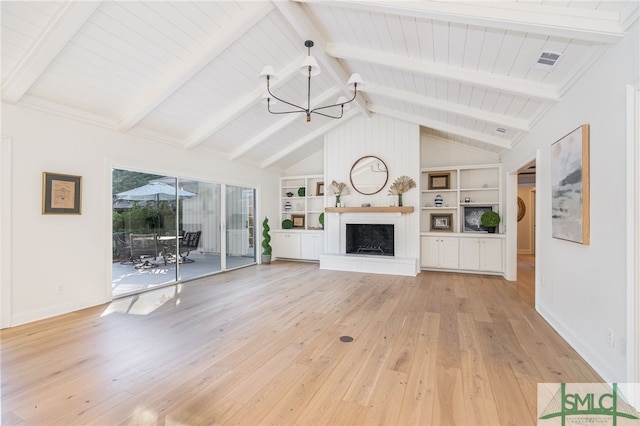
x,y
403,209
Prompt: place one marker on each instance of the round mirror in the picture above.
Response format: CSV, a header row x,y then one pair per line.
x,y
369,175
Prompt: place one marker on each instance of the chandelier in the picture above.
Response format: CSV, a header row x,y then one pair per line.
x,y
309,68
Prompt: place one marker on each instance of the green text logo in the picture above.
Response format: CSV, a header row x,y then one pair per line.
x,y
590,400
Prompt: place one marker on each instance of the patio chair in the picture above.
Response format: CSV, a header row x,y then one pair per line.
x,y
121,248
189,242
143,246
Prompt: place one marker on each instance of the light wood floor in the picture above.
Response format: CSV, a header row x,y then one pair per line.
x,y
261,345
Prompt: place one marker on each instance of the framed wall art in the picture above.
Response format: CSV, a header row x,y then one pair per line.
x,y
472,217
570,186
442,222
319,189
298,220
61,194
439,181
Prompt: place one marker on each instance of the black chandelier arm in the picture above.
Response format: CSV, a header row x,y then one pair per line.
x,y
335,105
327,115
283,101
285,112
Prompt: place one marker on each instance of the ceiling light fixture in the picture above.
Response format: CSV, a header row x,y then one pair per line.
x,y
309,68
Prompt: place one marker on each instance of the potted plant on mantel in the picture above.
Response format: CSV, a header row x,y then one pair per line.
x,y
266,239
490,220
400,186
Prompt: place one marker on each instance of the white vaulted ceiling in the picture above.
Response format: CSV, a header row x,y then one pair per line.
x,y
186,73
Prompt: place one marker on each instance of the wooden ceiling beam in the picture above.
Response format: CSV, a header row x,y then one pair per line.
x,y
502,120
598,26
444,127
488,80
158,93
59,31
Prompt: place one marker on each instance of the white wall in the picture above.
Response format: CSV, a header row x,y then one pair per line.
x,y
581,289
75,251
395,142
312,165
438,152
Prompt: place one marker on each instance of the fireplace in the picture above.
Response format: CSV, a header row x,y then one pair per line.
x,y
369,239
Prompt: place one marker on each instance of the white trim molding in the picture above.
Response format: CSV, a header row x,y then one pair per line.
x,y
633,244
5,232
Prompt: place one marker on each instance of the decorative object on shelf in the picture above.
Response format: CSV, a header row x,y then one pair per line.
x,y
439,181
338,189
472,217
522,209
400,186
301,191
289,194
321,220
310,68
442,222
319,189
287,224
490,220
266,239
438,200
287,206
369,175
467,199
366,204
298,220
570,187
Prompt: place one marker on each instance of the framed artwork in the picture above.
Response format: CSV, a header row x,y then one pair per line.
x,y
60,193
442,222
570,186
319,188
472,217
439,181
298,220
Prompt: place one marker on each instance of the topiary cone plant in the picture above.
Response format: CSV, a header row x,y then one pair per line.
x,y
266,239
490,220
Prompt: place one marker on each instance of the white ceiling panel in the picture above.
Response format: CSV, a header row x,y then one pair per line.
x,y
186,72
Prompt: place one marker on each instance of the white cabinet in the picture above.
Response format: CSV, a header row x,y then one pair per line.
x,y
286,244
311,245
303,245
439,252
481,254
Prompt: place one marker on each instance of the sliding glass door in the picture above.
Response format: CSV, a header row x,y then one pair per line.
x,y
199,224
168,229
240,226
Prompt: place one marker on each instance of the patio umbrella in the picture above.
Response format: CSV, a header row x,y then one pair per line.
x,y
158,191
154,191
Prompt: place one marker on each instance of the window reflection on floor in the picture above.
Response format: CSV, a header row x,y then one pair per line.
x,y
145,303
127,279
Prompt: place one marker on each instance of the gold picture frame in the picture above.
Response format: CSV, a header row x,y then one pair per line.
x,y
319,189
298,220
61,194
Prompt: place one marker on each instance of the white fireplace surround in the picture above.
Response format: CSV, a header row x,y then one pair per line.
x,y
336,257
